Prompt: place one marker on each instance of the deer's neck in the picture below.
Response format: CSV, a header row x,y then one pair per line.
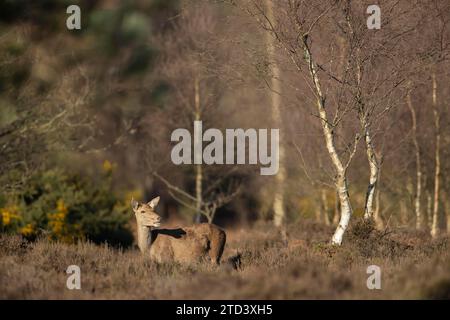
x,y
144,238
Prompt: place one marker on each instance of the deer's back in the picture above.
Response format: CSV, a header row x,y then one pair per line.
x,y
188,245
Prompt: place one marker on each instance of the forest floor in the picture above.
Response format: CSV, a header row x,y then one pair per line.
x,y
413,266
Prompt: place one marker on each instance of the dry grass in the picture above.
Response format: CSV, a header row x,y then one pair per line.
x,y
306,267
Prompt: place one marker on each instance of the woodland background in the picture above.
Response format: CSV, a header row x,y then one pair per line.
x,y
86,115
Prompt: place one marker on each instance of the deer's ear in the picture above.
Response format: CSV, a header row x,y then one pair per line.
x,y
134,204
154,202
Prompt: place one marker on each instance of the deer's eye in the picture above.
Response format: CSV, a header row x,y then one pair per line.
x,y
142,211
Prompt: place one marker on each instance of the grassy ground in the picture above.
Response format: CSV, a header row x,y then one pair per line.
x,y
304,267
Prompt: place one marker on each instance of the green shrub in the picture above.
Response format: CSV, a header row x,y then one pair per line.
x,y
67,207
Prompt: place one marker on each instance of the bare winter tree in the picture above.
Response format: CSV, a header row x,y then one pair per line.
x,y
275,87
417,152
294,25
435,53
378,71
192,68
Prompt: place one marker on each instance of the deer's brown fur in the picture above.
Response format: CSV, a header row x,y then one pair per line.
x,y
197,243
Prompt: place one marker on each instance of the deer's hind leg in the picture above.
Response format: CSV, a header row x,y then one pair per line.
x,y
217,245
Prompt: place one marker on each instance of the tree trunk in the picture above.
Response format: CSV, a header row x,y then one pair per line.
x,y
447,210
374,173
417,199
198,167
435,225
337,209
341,171
429,210
318,204
198,192
379,224
403,213
346,210
275,90
326,217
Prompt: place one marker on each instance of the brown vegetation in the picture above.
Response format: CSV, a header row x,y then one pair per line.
x,y
301,266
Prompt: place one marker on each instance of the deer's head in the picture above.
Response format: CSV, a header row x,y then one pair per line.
x,y
145,214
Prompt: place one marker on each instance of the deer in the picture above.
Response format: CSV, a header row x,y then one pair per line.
x,y
198,243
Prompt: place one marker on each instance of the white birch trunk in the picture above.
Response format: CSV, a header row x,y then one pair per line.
x,y
435,225
337,209
198,167
379,224
373,178
346,211
341,174
278,203
198,191
417,199
429,210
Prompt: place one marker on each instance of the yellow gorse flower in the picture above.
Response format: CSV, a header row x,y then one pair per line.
x,y
133,194
27,230
59,226
61,207
57,219
8,214
125,203
6,217
108,166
